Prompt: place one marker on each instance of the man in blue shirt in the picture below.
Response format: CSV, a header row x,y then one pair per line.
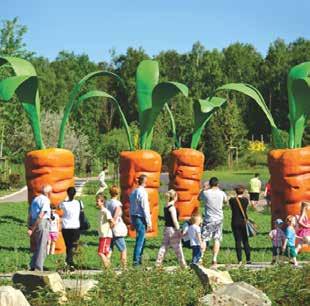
x,y
38,229
140,217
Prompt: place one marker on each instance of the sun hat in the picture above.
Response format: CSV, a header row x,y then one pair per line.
x,y
278,222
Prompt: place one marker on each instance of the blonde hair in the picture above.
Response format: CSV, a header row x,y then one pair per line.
x,y
195,217
170,195
289,219
100,196
114,191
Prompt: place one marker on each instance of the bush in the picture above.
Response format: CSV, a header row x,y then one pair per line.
x,y
14,180
4,185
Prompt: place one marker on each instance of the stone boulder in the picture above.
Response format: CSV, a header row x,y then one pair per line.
x,y
33,280
213,278
237,294
10,296
80,287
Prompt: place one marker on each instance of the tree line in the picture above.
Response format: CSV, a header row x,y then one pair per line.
x,y
97,124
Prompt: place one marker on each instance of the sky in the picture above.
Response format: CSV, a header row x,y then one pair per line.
x,y
96,26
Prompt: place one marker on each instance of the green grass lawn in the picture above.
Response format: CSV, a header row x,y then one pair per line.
x,y
14,243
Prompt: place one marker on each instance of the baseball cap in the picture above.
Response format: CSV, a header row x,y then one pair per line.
x,y
278,221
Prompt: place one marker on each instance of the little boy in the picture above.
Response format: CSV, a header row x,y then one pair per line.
x,y
54,228
278,238
196,243
104,230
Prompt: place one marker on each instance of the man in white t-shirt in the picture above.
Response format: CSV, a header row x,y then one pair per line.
x,y
213,198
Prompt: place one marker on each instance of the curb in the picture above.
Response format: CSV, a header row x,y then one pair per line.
x,y
13,194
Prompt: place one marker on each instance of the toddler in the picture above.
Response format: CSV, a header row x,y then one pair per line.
x,y
196,243
278,238
290,238
54,228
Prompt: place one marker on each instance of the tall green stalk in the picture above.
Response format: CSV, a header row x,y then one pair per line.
x,y
25,85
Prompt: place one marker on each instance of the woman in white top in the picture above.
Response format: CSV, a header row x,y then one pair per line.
x,y
71,224
119,229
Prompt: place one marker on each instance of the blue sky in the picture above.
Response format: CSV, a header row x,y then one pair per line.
x,y
96,26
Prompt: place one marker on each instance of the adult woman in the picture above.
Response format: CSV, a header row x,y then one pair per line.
x,y
71,224
172,233
115,208
238,224
303,225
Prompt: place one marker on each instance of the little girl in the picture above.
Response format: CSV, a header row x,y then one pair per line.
x,y
194,233
290,238
303,225
54,228
105,223
172,232
278,238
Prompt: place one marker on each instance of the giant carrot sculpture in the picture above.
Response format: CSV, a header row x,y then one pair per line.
x,y
289,163
53,166
151,97
187,164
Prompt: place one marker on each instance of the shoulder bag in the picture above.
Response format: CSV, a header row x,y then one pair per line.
x,y
251,227
84,224
120,228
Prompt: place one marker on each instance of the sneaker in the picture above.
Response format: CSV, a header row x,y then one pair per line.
x,y
249,262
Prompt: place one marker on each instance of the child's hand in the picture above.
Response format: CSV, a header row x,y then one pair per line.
x,y
29,232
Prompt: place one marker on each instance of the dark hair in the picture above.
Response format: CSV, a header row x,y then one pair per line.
x,y
213,181
104,167
256,174
71,191
141,179
239,189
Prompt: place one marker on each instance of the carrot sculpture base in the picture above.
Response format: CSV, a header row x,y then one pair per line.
x,y
54,167
185,172
132,165
290,181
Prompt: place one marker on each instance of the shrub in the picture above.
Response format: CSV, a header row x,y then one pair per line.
x,y
14,180
4,185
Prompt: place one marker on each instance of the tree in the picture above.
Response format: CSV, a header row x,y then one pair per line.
x,y
11,39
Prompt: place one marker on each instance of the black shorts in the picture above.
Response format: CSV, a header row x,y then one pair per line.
x,y
276,251
254,196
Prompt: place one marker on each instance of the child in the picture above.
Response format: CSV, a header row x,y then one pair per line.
x,y
102,184
196,243
54,228
289,243
303,230
185,238
104,230
278,238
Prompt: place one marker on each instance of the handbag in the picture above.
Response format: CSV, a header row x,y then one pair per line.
x,y
120,229
84,224
251,227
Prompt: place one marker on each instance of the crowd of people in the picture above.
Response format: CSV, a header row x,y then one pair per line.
x,y
195,233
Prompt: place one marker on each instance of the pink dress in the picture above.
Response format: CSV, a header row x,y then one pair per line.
x,y
303,231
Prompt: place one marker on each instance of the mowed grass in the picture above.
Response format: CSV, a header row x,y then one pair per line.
x,y
14,242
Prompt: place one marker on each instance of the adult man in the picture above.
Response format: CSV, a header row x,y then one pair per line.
x,y
254,189
140,217
39,213
213,198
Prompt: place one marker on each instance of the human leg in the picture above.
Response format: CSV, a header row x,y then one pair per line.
x,y
120,243
164,247
238,238
140,228
104,250
175,243
196,254
246,245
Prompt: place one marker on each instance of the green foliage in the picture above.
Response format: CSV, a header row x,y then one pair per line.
x,y
14,180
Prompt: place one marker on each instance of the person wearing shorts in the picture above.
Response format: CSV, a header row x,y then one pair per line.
x,y
105,222
115,208
212,228
54,227
254,189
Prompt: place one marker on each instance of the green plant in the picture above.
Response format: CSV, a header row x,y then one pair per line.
x,y
14,179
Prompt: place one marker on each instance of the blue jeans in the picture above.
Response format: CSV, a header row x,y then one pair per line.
x,y
140,227
196,254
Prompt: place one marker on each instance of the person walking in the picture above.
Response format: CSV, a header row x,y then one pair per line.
x,y
119,230
102,184
213,198
172,232
140,217
238,226
254,189
71,225
38,227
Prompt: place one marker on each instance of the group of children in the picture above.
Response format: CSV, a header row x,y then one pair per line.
x,y
290,240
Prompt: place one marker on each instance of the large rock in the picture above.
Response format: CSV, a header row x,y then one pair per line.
x,y
237,294
33,280
80,287
214,279
10,296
